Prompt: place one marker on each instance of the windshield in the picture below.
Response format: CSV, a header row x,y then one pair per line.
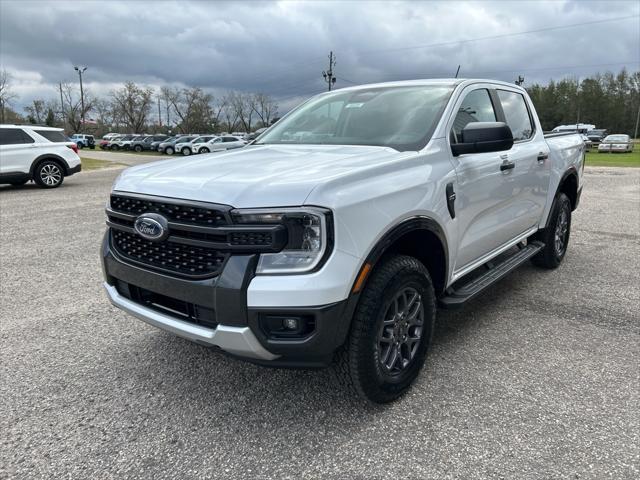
x,y
616,138
402,118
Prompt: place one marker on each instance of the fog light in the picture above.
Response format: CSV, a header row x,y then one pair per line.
x,y
290,323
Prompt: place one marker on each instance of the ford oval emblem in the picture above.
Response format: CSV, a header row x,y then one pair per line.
x,y
152,226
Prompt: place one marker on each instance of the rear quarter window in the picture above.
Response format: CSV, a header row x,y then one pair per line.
x,y
52,135
516,114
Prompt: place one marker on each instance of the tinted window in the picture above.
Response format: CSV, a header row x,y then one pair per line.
x,y
14,136
516,114
52,135
229,139
476,107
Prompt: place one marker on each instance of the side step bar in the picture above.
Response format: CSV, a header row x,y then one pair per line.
x,y
464,290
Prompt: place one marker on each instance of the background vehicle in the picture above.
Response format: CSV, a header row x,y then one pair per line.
x,y
82,140
154,145
576,127
596,135
198,143
169,147
144,143
41,154
120,142
333,237
219,144
586,140
616,143
187,147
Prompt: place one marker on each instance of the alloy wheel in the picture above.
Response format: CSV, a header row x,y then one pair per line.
x,y
51,174
401,331
562,228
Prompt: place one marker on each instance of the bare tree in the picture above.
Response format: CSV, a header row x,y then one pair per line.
x,y
193,107
244,106
134,104
6,95
266,108
37,111
229,112
72,106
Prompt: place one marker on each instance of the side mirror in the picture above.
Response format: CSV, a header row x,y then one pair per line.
x,y
482,137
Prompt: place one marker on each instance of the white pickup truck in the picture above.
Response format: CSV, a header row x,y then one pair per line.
x,y
334,237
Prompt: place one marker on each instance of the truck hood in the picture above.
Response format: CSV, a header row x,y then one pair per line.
x,y
254,176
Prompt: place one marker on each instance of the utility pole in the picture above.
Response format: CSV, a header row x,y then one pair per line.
x,y
457,71
328,75
80,71
64,118
635,134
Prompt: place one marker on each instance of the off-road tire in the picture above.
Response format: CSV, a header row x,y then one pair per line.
x,y
358,364
551,255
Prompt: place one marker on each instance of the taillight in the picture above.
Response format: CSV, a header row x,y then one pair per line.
x,y
73,147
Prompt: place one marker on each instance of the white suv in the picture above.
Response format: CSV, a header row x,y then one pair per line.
x,y
41,154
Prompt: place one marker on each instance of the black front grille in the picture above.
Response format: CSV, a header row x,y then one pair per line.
x,y
189,312
201,236
172,211
168,256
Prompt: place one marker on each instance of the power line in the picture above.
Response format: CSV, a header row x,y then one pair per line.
x,y
504,35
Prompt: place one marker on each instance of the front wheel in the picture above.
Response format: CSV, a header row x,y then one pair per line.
x,y
186,151
138,148
49,174
556,235
204,150
168,151
390,332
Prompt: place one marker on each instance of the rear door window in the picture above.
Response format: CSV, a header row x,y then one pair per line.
x,y
14,136
516,114
476,107
52,135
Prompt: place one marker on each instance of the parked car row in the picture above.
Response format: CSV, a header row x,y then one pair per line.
x,y
184,144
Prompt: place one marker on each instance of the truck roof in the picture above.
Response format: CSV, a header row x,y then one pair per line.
x,y
431,81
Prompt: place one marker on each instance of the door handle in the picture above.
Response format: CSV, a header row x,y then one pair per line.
x,y
507,165
542,157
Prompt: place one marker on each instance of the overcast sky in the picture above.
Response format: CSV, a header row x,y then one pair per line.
x,y
281,48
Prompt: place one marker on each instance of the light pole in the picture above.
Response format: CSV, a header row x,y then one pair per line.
x,y
80,71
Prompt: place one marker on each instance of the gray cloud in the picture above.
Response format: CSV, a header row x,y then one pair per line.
x,y
281,47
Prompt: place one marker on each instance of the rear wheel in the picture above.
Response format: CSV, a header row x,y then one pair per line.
x,y
138,148
391,331
115,147
49,174
556,236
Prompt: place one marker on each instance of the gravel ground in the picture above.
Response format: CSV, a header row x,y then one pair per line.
x,y
537,379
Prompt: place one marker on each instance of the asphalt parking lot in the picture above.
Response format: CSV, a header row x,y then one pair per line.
x,y
539,378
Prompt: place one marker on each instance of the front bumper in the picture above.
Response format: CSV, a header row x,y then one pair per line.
x,y
232,325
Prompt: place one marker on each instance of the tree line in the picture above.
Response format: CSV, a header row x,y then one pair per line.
x,y
135,108
607,100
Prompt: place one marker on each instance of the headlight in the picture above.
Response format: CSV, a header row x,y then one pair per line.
x,y
309,232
